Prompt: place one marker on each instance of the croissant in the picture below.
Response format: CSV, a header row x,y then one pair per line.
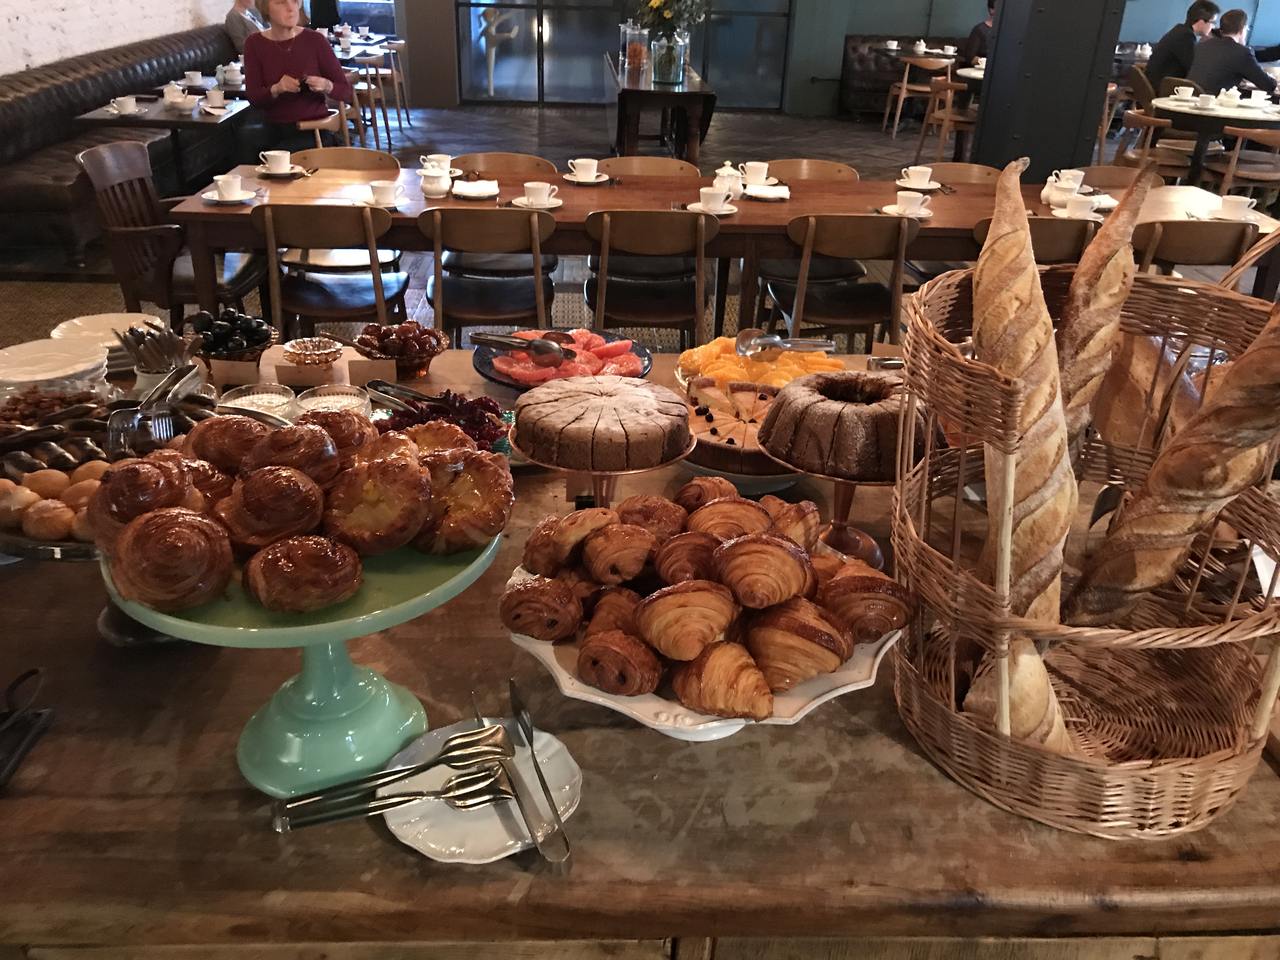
x,y
796,640
575,527
471,498
439,435
799,522
618,552
825,566
270,504
702,490
678,621
584,588
615,610
172,559
307,448
686,556
540,549
350,431
658,515
129,490
541,608
299,574
865,602
224,441
730,517
618,663
378,506
724,681
763,570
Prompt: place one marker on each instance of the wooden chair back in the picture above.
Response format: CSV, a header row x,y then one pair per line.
x,y
506,165
349,158
1140,84
650,233
487,230
328,226
647,167
1111,177
1052,240
1198,243
1147,127
1231,279
805,169
926,64
1169,84
852,237
952,172
1267,138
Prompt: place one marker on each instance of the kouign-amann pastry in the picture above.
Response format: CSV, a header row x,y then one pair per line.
x,y
131,489
471,498
172,559
270,504
679,620
688,556
724,681
48,520
393,443
763,570
574,528
540,554
48,483
615,610
660,516
794,641
618,552
224,441
15,500
730,517
866,602
307,448
439,435
799,522
378,506
299,574
618,663
541,608
349,430
702,490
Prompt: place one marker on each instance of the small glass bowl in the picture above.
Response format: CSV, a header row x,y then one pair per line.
x,y
269,397
319,352
336,396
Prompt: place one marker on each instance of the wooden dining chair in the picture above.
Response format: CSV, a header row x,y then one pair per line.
x,y
148,252
298,300
1171,164
1139,85
1249,170
1231,279
673,304
904,89
1169,84
340,119
807,169
1053,240
1110,177
393,73
508,166
942,115
371,95
648,268
495,165
851,307
463,301
1109,100
647,167
952,173
377,163
1167,244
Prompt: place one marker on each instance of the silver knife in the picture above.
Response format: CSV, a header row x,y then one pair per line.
x,y
524,734
539,831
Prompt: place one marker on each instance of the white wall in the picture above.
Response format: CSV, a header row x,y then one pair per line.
x,y
33,32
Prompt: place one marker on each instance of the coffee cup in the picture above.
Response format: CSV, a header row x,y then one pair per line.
x,y
979,63
277,161
1070,179
127,104
386,193
1184,93
215,98
949,50
193,78
439,159
538,193
583,169
172,91
345,42
1079,205
891,44
917,176
755,172
228,185
363,30
713,199
1204,101
910,202
1236,207
1258,96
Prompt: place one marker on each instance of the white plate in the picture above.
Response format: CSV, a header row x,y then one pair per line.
x,y
524,203
293,171
487,195
748,484
754,193
1250,217
212,197
908,185
384,206
1061,214
599,178
52,360
97,328
483,834
893,211
767,182
1105,202
124,113
724,211
670,717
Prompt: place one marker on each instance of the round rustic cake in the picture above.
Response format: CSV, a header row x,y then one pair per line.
x,y
838,424
601,423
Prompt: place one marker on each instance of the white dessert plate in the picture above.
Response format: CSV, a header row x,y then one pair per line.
x,y
894,210
52,360
98,328
244,196
670,717
1062,214
295,170
724,211
766,182
599,178
908,185
482,834
526,204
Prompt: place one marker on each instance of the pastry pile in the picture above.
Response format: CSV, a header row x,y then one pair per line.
x,y
722,594
300,505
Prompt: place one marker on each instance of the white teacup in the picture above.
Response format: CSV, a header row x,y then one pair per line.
x,y
1184,93
713,199
911,202
583,168
127,104
1236,207
215,98
1258,96
386,193
228,185
193,78
363,30
1079,205
172,92
1205,101
949,50
345,42
979,63
538,193
891,44
1069,178
439,159
755,172
917,176
277,161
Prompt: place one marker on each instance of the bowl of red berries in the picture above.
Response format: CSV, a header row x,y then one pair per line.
x,y
411,345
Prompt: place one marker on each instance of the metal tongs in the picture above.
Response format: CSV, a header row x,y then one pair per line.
x,y
401,398
545,351
754,342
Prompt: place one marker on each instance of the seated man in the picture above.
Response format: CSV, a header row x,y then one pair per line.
x,y
1221,62
979,41
242,20
1173,54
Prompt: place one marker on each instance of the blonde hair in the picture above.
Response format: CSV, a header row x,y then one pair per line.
x,y
264,11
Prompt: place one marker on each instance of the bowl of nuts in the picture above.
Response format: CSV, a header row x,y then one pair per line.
x,y
411,345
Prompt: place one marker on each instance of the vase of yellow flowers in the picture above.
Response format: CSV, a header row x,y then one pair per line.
x,y
668,23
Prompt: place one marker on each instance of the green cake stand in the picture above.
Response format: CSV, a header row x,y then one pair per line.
x,y
334,721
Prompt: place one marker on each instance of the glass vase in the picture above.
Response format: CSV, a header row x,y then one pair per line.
x,y
668,56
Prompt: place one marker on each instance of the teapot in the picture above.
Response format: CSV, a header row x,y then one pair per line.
x,y
729,179
435,180
173,92
231,72
1056,194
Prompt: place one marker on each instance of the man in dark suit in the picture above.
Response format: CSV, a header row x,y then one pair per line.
x,y
1222,61
1173,54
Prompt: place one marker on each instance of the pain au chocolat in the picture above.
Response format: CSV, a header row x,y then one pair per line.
x,y
601,423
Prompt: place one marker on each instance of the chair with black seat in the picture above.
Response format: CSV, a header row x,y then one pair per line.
x,y
309,297
1244,169
648,268
1163,245
494,166
464,301
148,252
670,304
1053,240
850,307
951,173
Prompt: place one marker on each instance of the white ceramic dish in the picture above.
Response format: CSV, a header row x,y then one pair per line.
x,y
894,210
908,185
1062,214
1249,217
470,193
669,717
484,834
599,178
766,182
98,328
727,210
766,194
524,204
35,360
244,196
295,170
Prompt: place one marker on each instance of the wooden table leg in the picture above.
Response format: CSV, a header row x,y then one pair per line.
x,y
630,123
747,287
693,131
1197,160
203,266
722,296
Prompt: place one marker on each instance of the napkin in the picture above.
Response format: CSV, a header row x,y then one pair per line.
x,y
215,111
475,188
779,192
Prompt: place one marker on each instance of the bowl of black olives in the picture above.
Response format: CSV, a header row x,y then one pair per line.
x,y
231,335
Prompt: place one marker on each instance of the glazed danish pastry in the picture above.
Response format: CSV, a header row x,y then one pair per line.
x,y
574,528
618,552
799,522
540,549
393,443
687,556
172,559
300,574
796,640
379,505
730,517
205,477
660,516
349,431
724,681
702,490
307,448
471,498
763,570
618,663
129,490
865,602
270,504
224,441
439,435
678,621
615,610
541,608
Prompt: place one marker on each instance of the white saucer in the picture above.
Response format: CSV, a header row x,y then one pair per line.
x,y
1061,214
600,178
767,182
724,211
212,197
293,171
524,203
908,185
125,113
893,211
384,206
1250,217
483,834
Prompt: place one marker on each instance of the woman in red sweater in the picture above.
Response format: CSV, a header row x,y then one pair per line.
x,y
290,71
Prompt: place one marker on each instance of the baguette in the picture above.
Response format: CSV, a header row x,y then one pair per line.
x,y
1224,449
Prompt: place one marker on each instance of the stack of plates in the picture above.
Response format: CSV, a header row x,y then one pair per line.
x,y
42,360
99,328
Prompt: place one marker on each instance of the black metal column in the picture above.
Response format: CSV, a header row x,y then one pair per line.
x,y
1045,82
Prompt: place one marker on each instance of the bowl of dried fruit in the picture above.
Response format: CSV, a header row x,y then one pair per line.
x,y
411,345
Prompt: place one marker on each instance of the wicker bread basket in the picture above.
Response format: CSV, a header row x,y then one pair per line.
x,y
1169,714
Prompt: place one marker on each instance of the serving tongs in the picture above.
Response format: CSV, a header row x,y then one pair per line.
x,y
402,398
125,424
545,351
754,342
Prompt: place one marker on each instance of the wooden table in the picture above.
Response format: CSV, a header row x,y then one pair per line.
x,y
1208,124
129,825
689,104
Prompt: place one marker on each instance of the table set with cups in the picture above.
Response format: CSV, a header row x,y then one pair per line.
x,y
918,49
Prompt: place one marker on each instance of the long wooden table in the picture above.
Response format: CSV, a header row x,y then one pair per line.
x,y
129,825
